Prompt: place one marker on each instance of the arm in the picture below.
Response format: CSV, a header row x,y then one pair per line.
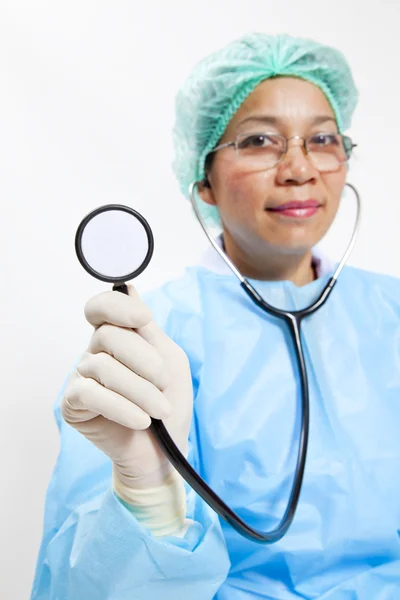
x,y
93,548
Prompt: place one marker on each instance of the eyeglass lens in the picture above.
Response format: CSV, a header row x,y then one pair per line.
x,y
325,151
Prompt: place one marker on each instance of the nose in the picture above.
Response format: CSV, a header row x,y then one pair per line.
x,y
295,167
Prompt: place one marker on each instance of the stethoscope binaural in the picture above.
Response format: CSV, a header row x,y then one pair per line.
x,y
140,229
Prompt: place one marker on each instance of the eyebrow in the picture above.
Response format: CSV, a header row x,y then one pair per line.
x,y
270,120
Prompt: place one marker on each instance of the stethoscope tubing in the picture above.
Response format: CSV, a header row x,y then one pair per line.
x,y
293,320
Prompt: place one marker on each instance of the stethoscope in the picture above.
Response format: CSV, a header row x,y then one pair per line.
x,y
91,239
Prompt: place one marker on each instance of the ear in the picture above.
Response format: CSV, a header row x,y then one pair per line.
x,y
206,193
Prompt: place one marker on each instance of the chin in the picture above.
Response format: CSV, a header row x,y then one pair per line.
x,y
300,243
296,247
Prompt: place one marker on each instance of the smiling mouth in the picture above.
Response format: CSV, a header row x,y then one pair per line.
x,y
297,210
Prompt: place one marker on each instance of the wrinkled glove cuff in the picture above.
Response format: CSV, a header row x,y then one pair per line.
x,y
161,509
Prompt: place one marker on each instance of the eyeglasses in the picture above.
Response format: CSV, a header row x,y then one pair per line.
x,y
261,151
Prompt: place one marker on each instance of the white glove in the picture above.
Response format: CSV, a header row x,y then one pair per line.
x,y
130,372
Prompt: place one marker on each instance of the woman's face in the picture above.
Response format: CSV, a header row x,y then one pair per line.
x,y
246,199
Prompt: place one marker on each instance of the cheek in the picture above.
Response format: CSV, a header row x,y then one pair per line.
x,y
240,193
334,183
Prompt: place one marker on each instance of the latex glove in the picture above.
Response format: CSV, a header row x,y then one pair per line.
x,y
130,372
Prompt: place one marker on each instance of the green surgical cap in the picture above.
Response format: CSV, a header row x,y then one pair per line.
x,y
221,82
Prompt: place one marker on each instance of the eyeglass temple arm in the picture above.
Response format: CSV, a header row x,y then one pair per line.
x,y
226,145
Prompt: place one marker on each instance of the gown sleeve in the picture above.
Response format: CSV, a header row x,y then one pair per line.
x,y
94,548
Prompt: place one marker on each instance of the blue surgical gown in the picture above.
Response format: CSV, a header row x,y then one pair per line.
x,y
344,543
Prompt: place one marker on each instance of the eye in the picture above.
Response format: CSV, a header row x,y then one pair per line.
x,y
256,140
324,139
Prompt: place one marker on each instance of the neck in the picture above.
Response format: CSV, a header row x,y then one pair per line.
x,y
270,266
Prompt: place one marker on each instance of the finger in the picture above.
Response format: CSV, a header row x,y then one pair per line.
x,y
86,396
161,342
131,350
117,309
115,376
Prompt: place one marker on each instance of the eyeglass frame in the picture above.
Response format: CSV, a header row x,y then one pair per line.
x,y
293,137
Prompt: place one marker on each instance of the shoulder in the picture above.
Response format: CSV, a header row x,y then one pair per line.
x,y
178,309
177,304
177,294
369,286
370,278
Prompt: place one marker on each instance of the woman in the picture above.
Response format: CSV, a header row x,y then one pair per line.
x,y
259,126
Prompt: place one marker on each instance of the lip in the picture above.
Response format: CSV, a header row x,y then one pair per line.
x,y
295,204
297,209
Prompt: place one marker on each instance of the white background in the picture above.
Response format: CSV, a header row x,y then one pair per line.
x,y
86,111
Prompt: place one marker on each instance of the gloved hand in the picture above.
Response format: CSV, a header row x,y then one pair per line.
x,y
130,372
